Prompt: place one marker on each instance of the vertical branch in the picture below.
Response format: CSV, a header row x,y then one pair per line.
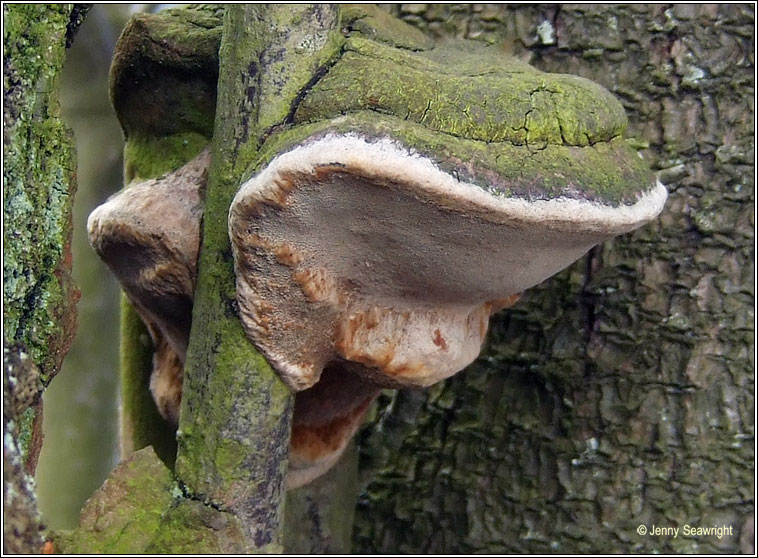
x,y
39,297
235,420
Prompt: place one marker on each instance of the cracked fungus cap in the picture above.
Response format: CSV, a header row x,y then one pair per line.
x,y
359,248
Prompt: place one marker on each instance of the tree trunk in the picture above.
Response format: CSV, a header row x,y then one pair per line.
x,y
38,295
235,421
617,396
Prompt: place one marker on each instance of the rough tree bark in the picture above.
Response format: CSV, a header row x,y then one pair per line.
x,y
619,393
38,295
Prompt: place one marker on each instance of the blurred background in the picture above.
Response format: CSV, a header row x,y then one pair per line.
x,y
81,404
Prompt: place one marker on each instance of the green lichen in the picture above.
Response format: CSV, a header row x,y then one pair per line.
x,y
149,157
485,118
232,400
38,186
25,428
189,527
610,172
229,459
206,461
466,90
378,25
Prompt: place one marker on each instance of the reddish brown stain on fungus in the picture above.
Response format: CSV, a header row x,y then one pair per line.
x,y
312,442
286,254
349,328
263,315
277,196
439,340
316,283
327,414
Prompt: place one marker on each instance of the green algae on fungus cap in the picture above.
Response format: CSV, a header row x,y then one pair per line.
x,y
360,250
487,117
468,90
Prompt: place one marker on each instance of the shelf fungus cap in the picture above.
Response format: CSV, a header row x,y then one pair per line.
x,y
148,235
359,247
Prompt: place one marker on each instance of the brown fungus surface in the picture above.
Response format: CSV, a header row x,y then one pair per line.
x,y
148,236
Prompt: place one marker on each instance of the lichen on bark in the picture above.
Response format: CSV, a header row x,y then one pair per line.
x,y
38,294
38,187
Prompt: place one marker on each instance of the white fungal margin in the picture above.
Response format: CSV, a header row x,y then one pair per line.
x,y
390,160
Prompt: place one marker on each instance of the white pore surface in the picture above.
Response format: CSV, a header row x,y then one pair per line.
x,y
407,258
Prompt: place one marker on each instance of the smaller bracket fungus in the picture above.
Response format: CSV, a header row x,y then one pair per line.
x,y
148,235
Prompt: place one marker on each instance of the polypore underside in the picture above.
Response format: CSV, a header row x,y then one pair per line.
x,y
359,250
149,237
360,265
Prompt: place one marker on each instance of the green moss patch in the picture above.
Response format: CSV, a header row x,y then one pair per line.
x,y
148,157
140,509
466,90
609,172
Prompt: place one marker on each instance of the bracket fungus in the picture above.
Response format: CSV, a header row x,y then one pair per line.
x,y
148,236
420,189
414,190
363,251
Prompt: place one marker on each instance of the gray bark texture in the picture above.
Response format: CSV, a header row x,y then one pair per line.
x,y
38,295
619,393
